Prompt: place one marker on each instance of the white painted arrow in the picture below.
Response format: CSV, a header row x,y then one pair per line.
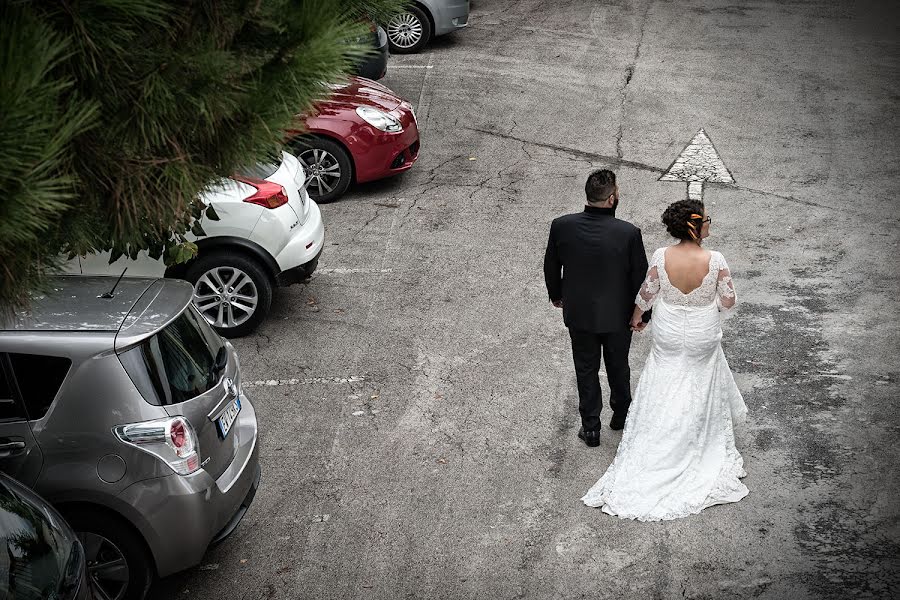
x,y
698,163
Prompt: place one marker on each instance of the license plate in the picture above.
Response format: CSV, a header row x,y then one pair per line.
x,y
228,417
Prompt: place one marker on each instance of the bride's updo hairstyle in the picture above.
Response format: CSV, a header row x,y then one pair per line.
x,y
684,219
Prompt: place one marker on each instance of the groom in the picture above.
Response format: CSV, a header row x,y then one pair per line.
x,y
593,268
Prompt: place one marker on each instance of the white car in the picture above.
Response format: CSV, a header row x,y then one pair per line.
x,y
269,234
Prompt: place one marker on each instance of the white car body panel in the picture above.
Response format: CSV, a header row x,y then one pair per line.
x,y
236,217
306,243
283,232
292,178
98,264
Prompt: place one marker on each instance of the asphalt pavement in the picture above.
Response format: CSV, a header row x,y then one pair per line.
x,y
416,398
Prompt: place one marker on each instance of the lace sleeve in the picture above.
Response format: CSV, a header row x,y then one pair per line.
x,y
650,287
649,290
725,286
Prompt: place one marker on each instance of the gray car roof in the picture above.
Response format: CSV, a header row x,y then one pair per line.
x,y
138,307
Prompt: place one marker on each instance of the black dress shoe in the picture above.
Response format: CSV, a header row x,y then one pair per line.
x,y
617,422
591,438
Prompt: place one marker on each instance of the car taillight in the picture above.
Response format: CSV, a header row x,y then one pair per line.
x,y
172,440
177,434
267,195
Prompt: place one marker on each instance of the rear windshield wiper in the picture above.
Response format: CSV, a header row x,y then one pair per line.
x,y
220,364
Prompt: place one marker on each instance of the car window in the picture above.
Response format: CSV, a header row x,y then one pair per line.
x,y
10,410
259,171
36,554
39,378
178,363
265,168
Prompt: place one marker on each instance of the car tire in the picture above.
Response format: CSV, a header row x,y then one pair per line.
x,y
226,307
108,540
409,31
319,156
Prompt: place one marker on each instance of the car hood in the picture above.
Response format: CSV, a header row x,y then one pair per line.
x,y
360,92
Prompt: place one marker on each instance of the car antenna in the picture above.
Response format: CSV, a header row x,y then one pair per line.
x,y
109,294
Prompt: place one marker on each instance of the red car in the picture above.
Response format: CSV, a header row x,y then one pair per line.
x,y
361,133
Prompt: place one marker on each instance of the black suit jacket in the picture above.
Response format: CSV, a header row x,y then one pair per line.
x,y
595,263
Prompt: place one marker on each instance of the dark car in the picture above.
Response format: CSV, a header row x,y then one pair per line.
x,y
375,65
40,557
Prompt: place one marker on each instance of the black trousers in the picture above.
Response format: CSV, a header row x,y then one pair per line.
x,y
587,349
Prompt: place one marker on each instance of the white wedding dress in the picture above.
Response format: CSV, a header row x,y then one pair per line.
x,y
677,455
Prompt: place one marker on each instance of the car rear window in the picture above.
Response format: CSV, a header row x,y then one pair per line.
x,y
263,169
260,171
39,378
178,363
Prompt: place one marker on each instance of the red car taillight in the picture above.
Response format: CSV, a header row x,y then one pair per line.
x,y
170,439
268,194
176,433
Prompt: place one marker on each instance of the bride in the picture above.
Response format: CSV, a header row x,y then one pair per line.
x,y
677,455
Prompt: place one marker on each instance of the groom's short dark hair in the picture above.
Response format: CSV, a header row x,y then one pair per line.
x,y
600,185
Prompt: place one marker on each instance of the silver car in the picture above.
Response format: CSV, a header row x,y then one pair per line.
x,y
123,408
411,30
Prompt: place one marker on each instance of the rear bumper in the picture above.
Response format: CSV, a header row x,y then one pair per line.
x,y
306,241
235,520
450,17
299,273
375,66
185,514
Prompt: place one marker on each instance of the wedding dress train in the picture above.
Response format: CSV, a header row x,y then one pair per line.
x,y
677,455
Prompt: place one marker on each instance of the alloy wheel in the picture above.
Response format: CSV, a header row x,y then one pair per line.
x,y
405,30
226,296
322,169
106,566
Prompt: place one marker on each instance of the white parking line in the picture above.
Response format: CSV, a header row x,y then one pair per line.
x,y
350,271
306,381
412,66
422,109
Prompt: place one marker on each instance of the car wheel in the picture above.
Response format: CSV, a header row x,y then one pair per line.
x,y
409,31
327,166
232,292
118,564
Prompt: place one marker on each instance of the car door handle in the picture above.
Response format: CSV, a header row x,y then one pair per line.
x,y
10,448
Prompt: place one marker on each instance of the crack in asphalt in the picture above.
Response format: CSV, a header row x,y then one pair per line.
x,y
783,197
259,346
621,162
412,205
590,156
354,235
629,74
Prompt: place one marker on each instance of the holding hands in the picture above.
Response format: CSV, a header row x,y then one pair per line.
x,y
637,324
